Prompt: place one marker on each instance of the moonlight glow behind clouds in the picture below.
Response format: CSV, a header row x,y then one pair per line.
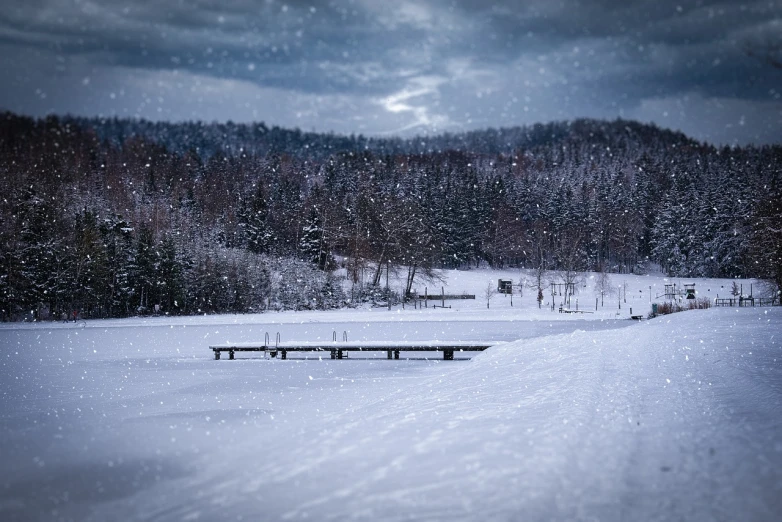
x,y
404,67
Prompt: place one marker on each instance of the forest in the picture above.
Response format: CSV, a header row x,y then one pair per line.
x,y
114,218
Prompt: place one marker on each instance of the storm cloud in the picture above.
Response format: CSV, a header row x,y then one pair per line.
x,y
406,67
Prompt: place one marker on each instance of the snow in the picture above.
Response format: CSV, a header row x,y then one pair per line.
x,y
575,418
428,345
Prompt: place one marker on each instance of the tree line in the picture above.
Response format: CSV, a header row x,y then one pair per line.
x,y
120,217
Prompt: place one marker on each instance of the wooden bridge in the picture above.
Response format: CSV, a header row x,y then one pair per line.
x,y
338,350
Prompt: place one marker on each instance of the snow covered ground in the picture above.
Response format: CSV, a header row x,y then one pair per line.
x,y
579,417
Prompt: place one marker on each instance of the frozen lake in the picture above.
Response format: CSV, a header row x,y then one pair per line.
x,y
162,337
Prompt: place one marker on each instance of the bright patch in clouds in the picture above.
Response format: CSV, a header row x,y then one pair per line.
x,y
419,98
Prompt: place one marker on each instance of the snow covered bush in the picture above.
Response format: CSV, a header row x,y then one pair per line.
x,y
299,285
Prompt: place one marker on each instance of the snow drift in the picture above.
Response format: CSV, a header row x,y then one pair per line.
x,y
675,418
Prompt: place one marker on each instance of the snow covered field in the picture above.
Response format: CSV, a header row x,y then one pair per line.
x,y
578,417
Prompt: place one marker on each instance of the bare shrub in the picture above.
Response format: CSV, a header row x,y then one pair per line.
x,y
671,307
699,304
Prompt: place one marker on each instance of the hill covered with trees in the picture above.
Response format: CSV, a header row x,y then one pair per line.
x,y
113,217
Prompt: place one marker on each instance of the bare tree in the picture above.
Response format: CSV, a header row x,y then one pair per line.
x,y
571,271
417,248
603,285
537,242
538,282
424,273
389,229
489,292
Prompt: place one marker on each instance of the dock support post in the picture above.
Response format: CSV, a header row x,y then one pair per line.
x,y
333,354
389,354
448,355
217,355
283,354
339,354
231,354
396,354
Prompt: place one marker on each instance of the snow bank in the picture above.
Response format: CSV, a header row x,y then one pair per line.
x,y
681,420
674,418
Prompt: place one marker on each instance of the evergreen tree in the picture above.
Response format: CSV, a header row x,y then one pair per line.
x,y
89,271
143,275
765,251
312,244
253,223
117,236
169,283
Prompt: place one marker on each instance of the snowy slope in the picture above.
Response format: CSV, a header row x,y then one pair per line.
x,y
677,418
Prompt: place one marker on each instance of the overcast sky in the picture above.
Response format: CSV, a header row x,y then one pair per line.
x,y
400,67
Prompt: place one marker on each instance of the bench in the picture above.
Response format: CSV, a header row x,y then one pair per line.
x,y
340,350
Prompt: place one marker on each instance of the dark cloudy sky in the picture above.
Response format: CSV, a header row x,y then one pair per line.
x,y
401,67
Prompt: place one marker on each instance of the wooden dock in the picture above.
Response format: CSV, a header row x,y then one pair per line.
x,y
337,350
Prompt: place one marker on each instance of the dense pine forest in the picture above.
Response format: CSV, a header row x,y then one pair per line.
x,y
120,217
